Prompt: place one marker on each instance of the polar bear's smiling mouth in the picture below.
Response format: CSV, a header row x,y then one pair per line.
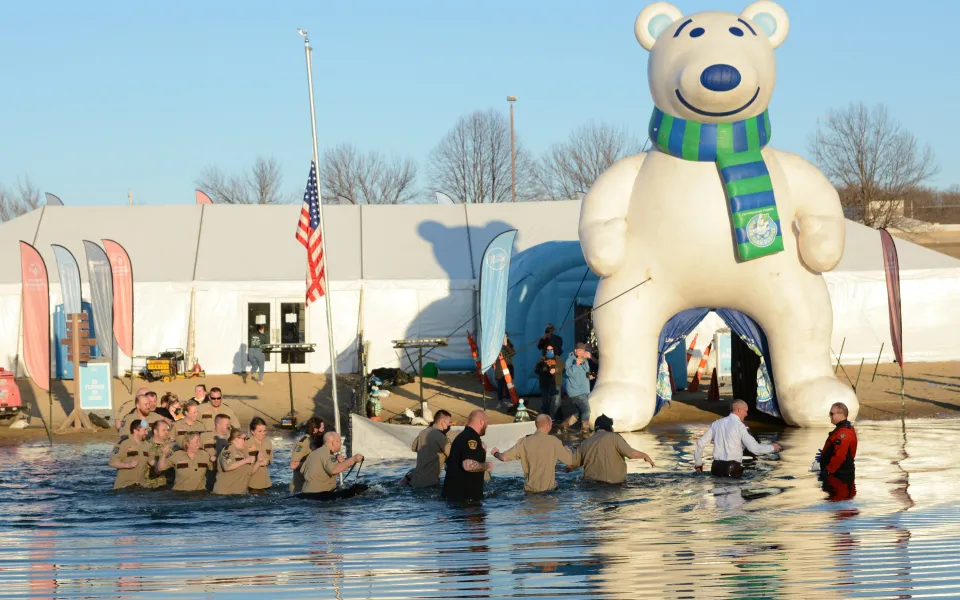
x,y
716,114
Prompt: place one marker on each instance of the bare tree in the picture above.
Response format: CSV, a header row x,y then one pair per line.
x,y
369,178
21,200
259,185
570,168
874,162
472,162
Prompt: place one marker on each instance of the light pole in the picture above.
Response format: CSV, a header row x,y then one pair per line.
x,y
513,153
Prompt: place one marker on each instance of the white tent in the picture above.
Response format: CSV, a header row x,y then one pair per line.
x,y
417,267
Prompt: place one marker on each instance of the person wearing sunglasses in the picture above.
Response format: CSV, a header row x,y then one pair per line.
x,y
838,453
216,406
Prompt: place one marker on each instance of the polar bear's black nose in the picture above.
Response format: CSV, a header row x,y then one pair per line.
x,y
720,78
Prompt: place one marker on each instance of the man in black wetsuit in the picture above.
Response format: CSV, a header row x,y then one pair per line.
x,y
467,464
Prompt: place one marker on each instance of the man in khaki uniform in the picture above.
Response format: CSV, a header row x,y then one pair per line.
x,y
141,413
161,447
538,454
190,423
314,430
602,454
321,468
216,406
125,409
214,442
432,448
191,465
131,456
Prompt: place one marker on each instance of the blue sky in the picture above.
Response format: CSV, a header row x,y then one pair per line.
x,y
101,97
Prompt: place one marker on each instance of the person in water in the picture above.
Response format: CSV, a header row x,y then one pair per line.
x,y
131,456
235,466
313,430
603,455
432,448
191,465
838,453
730,436
258,442
190,423
538,453
321,468
467,463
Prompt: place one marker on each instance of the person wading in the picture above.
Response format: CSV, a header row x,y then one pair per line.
x,y
603,454
840,450
314,429
191,465
466,464
235,467
216,406
190,423
258,442
432,448
131,456
538,453
730,436
321,468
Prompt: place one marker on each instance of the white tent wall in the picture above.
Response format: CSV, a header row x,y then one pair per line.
x,y
418,269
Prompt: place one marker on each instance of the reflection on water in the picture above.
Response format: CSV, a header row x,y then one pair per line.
x,y
668,532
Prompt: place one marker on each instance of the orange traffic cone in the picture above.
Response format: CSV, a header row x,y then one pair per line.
x,y
714,393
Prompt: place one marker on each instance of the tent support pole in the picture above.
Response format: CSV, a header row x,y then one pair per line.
x,y
858,374
877,366
842,344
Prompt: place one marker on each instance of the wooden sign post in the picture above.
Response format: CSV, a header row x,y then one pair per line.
x,y
79,346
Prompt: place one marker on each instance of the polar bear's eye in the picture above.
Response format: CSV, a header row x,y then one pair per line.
x,y
697,31
736,31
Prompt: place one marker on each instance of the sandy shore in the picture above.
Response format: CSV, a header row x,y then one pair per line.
x,y
931,391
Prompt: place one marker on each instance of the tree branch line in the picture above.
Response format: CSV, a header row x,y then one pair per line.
x,y
879,167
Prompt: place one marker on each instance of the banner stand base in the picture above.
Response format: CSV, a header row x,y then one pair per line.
x,y
77,421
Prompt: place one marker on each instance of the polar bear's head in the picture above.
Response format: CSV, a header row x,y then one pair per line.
x,y
712,67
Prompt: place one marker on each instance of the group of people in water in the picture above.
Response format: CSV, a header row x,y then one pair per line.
x,y
202,448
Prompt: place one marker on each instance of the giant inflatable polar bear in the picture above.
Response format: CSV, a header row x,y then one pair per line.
x,y
714,217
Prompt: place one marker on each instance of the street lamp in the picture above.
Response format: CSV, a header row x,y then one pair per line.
x,y
513,153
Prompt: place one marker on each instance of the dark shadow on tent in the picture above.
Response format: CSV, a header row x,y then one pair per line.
x,y
451,317
240,359
323,399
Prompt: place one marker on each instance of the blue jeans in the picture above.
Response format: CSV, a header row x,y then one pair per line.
x,y
549,402
581,408
255,356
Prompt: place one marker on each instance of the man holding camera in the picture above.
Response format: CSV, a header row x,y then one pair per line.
x,y
550,339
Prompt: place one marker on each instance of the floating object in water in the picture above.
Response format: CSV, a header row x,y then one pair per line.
x,y
348,492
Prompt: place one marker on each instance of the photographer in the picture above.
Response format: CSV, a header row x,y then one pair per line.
x,y
550,339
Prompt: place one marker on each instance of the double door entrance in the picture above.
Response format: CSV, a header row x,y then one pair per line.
x,y
285,322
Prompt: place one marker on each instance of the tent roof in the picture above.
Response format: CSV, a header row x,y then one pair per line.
x,y
179,243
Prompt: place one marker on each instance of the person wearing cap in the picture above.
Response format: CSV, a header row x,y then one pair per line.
x,y
578,376
160,448
259,443
321,468
216,406
235,466
131,456
730,436
191,465
603,454
539,453
313,428
190,423
141,412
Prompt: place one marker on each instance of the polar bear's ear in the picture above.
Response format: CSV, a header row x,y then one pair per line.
x,y
653,20
770,18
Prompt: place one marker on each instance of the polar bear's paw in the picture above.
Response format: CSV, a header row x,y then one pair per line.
x,y
628,404
807,403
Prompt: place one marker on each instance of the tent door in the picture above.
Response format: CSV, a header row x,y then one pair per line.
x,y
284,320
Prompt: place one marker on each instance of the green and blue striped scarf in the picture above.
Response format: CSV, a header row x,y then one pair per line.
x,y
735,148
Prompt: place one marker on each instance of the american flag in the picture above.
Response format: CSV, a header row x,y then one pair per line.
x,y
308,232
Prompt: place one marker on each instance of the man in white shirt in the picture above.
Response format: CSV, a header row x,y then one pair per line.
x,y
729,436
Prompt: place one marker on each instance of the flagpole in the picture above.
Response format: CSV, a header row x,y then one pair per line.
x,y
323,237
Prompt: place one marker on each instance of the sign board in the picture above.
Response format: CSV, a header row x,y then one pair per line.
x,y
95,385
721,345
290,317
